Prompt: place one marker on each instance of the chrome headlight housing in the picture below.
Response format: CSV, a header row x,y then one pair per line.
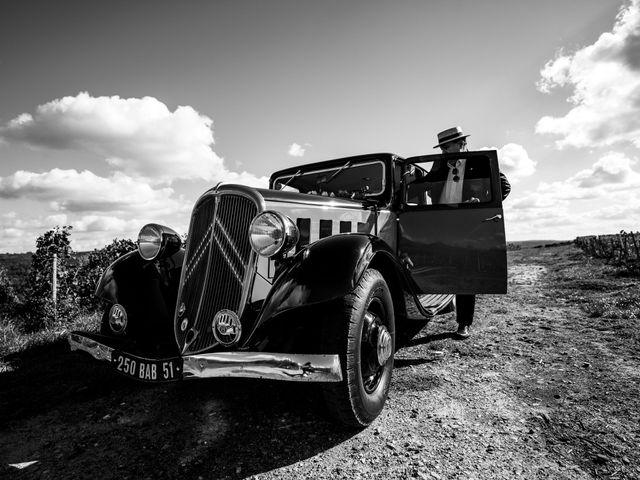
x,y
272,233
157,241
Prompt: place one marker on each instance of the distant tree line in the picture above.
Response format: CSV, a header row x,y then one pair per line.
x,y
32,303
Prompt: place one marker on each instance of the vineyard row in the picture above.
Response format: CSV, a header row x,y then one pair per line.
x,y
622,248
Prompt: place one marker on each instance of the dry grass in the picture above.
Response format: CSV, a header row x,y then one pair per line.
x,y
602,290
14,340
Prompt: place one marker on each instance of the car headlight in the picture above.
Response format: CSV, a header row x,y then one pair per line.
x,y
157,241
272,233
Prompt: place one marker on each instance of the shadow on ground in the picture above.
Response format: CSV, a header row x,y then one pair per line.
x,y
433,338
79,419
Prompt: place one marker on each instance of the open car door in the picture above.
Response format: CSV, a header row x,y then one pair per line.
x,y
453,247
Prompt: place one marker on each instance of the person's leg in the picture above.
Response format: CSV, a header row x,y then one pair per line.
x,y
465,307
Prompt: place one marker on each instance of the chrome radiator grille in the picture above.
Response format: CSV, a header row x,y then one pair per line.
x,y
216,266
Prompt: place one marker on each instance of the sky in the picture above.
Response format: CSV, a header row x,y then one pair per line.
x,y
114,114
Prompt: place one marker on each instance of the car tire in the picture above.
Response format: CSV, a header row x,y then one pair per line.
x,y
361,329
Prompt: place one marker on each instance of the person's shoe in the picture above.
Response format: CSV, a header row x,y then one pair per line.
x,y
463,331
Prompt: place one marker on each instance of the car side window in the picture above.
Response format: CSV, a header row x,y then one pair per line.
x,y
416,193
449,182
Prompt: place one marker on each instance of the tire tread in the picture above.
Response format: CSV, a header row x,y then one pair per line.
x,y
341,333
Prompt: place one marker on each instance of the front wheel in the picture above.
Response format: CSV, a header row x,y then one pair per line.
x,y
361,329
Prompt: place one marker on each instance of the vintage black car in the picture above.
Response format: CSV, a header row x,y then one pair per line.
x,y
319,278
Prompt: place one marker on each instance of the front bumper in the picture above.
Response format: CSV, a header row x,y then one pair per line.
x,y
274,366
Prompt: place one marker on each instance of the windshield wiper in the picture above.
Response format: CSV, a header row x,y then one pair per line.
x,y
295,175
338,172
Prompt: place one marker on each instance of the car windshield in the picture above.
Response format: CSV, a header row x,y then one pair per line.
x,y
347,180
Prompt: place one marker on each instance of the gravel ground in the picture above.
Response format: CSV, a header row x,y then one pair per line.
x,y
546,387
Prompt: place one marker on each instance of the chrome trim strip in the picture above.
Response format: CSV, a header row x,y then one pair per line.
x,y
310,200
231,243
274,366
225,255
93,348
249,192
188,268
251,267
197,256
206,279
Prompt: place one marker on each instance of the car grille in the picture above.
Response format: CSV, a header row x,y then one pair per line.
x,y
216,266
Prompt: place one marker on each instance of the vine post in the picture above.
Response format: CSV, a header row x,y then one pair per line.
x,y
54,283
635,245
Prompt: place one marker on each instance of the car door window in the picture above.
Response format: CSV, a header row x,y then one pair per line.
x,y
449,181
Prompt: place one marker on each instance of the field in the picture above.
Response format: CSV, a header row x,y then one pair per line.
x,y
546,387
16,265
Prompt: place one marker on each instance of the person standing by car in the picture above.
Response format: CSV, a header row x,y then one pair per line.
x,y
452,176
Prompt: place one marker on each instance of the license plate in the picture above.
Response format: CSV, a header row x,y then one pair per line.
x,y
147,370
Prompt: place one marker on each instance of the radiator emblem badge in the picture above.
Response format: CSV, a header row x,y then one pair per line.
x,y
117,319
226,327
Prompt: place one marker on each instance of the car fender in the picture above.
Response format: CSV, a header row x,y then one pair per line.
x,y
326,270
116,279
140,286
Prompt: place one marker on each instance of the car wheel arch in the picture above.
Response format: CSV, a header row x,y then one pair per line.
x,y
299,284
392,273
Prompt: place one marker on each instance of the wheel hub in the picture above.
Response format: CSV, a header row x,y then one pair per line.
x,y
384,345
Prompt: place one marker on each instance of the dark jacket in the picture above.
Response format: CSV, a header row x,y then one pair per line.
x,y
476,181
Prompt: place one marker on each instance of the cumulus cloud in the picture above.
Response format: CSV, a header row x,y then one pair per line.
x,y
15,228
296,150
12,233
102,223
249,179
98,208
139,137
601,199
514,161
18,234
612,174
95,223
564,220
146,147
555,73
614,169
605,81
73,191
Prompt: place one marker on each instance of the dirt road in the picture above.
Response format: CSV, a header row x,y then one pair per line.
x,y
546,387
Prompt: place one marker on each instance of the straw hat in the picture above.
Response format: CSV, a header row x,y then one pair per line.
x,y
450,135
